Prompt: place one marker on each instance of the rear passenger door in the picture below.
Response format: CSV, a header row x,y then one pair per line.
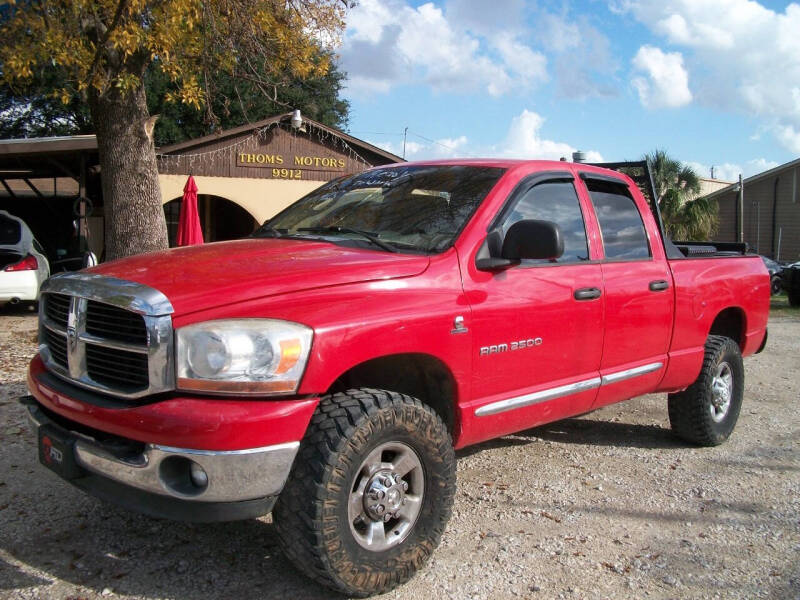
x,y
638,291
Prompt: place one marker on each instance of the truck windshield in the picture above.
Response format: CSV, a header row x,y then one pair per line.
x,y
414,208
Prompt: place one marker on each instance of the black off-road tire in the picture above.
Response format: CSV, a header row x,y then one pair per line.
x,y
691,412
775,285
311,515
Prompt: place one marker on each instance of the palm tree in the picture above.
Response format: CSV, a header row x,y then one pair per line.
x,y
685,216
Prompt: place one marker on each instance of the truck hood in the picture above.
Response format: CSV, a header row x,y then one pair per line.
x,y
201,277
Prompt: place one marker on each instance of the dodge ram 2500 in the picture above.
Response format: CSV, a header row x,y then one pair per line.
x,y
327,367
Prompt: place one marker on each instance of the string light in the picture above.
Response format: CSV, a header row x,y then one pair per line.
x,y
210,158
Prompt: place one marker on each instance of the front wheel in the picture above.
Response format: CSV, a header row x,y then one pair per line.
x,y
707,411
370,493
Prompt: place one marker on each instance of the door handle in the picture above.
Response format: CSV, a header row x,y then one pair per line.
x,y
587,294
658,286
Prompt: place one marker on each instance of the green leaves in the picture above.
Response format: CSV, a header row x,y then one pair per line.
x,y
677,186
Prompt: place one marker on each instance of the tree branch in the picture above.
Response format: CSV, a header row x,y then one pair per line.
x,y
102,43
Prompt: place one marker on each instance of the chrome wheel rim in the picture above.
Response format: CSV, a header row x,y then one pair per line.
x,y
386,496
721,392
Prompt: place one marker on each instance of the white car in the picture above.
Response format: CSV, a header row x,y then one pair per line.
x,y
23,265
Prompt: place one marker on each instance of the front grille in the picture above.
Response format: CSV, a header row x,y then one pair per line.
x,y
117,368
106,334
58,347
56,307
107,321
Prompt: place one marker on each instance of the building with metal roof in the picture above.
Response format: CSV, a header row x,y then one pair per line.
x,y
768,216
244,176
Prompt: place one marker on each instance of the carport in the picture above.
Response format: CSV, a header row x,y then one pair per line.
x,y
53,184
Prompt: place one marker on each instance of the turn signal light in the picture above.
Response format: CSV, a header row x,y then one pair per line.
x,y
29,263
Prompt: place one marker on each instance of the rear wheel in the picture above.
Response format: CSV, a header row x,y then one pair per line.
x,y
707,411
370,492
775,285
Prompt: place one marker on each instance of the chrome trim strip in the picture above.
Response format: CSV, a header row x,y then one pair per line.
x,y
537,397
501,406
129,295
113,344
287,445
631,373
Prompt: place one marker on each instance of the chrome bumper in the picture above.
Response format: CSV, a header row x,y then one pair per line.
x,y
229,476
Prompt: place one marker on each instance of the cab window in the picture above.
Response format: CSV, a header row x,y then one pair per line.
x,y
621,226
555,201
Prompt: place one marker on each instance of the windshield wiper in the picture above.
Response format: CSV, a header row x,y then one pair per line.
x,y
265,230
366,235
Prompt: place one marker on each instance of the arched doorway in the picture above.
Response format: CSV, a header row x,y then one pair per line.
x,y
220,219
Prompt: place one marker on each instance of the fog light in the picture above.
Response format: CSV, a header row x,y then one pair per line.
x,y
198,476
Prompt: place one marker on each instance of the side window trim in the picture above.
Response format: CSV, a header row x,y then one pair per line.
x,y
586,177
522,188
519,193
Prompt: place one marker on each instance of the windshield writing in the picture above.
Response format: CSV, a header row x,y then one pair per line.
x,y
417,208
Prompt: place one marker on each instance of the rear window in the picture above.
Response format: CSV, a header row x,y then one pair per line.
x,y
10,231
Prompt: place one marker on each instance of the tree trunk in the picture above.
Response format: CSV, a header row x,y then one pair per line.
x,y
134,216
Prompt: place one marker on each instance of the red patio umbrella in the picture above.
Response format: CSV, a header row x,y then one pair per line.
x,y
189,231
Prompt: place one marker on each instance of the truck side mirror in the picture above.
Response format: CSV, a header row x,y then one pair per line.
x,y
533,239
526,239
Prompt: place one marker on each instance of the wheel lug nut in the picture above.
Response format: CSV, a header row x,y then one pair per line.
x,y
405,500
387,517
380,494
405,486
379,509
387,481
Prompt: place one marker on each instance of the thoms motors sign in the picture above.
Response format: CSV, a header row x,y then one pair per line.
x,y
289,167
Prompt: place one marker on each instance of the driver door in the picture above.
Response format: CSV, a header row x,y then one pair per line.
x,y
537,327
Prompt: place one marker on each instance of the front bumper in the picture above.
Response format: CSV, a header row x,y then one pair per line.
x,y
176,483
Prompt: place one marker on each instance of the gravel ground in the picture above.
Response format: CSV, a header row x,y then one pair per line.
x,y
608,505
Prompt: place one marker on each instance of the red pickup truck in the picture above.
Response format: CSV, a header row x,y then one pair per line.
x,y
326,368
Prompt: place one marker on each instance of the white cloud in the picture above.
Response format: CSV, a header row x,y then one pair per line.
x,y
584,66
789,136
523,140
472,15
391,43
730,171
743,56
666,81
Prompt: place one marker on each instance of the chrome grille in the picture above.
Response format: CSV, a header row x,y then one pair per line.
x,y
107,334
117,368
57,344
57,309
104,320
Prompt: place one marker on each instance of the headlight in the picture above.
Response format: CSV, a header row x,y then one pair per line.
x,y
242,356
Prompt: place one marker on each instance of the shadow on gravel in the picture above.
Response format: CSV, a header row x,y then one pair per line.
x,y
11,578
587,431
21,309
102,547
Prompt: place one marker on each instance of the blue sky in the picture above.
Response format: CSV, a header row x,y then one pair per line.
x,y
714,82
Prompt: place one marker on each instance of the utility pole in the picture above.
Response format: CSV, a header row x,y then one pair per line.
x,y
740,211
405,135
